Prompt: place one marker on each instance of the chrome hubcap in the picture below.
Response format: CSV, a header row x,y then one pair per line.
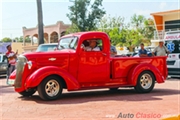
x,y
146,81
52,88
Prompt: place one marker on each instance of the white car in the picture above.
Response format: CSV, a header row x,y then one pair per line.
x,y
3,64
47,47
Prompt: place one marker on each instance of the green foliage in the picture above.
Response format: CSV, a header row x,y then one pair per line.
x,y
114,36
131,34
20,39
137,21
85,16
148,29
107,23
73,28
145,27
111,25
6,39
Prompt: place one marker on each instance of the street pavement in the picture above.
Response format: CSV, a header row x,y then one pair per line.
x,y
124,104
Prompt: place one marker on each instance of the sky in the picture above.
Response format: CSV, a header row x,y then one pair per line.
x,y
15,14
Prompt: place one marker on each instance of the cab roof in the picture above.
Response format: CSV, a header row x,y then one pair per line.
x,y
83,33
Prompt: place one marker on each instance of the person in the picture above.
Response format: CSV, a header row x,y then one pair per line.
x,y
92,46
160,50
11,60
113,50
142,52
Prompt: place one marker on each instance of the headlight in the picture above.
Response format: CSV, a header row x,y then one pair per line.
x,y
29,64
4,66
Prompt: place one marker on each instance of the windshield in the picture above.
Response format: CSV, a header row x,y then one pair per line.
x,y
46,48
173,46
68,43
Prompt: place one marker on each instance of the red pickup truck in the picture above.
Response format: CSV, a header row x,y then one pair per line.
x,y
73,67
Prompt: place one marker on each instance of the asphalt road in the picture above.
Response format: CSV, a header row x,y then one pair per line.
x,y
124,104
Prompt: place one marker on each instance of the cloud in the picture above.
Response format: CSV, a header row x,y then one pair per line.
x,y
162,5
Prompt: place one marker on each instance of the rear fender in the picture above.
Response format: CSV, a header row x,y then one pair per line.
x,y
138,69
36,77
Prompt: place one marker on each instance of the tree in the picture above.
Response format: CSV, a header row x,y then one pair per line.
x,y
20,39
6,39
111,25
85,16
135,35
149,29
40,22
73,28
137,21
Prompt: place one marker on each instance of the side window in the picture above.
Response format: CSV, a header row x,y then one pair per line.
x,y
92,45
4,59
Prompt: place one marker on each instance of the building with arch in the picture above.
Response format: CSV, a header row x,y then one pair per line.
x,y
52,33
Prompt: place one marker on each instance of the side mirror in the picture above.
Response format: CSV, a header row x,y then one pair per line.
x,y
82,47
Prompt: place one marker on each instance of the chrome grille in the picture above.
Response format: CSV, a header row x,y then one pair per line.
x,y
19,71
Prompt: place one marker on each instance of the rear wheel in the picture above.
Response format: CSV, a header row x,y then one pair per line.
x,y
145,82
27,93
50,88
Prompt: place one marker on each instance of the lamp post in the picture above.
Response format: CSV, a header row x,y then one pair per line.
x,y
40,22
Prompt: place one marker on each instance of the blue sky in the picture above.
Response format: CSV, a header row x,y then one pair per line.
x,y
14,14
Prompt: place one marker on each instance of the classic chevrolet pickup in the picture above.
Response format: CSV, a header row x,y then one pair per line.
x,y
74,67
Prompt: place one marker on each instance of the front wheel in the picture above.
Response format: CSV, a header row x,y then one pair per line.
x,y
145,82
50,88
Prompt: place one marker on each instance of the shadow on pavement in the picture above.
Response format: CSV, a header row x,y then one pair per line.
x,y
104,95
6,89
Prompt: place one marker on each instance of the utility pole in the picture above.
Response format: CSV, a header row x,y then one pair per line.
x,y
40,23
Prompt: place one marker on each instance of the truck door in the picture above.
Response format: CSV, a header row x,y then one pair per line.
x,y
94,66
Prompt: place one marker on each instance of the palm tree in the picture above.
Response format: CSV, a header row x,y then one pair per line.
x,y
40,22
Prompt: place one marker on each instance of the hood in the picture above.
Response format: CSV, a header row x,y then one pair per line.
x,y
34,55
59,58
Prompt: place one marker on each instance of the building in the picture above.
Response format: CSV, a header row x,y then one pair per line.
x,y
52,33
165,21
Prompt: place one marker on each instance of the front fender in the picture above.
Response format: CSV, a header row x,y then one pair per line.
x,y
36,77
136,71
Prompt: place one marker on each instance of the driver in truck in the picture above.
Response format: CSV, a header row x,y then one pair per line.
x,y
92,46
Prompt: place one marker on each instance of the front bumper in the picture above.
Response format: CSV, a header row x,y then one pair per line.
x,y
12,78
11,82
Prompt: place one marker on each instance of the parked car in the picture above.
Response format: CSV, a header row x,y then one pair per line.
x,y
74,67
3,64
47,47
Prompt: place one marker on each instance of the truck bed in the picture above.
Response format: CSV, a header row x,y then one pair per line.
x,y
121,66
